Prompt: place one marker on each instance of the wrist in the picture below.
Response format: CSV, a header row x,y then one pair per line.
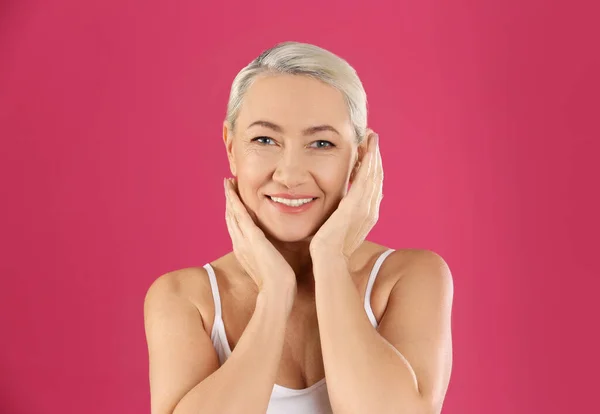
x,y
329,264
328,258
279,294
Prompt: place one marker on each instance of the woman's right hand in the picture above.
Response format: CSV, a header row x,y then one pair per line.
x,y
257,255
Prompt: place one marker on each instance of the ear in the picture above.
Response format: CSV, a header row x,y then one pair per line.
x,y
228,141
360,154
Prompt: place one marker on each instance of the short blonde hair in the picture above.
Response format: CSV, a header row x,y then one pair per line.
x,y
304,59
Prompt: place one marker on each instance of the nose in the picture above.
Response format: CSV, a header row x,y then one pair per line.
x,y
291,169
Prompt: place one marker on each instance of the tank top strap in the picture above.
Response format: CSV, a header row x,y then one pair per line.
x,y
371,283
215,293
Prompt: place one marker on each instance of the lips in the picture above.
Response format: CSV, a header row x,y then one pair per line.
x,y
291,196
288,204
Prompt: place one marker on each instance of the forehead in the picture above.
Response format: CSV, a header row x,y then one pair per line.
x,y
295,102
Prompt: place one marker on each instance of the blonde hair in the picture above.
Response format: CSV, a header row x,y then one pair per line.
x,y
304,59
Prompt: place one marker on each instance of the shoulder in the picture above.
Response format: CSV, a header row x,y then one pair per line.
x,y
404,272
420,272
409,261
417,320
400,261
188,286
179,283
403,266
188,281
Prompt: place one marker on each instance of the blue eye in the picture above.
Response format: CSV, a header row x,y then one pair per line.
x,y
323,144
262,140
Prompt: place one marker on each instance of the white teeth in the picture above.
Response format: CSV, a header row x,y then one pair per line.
x,y
293,203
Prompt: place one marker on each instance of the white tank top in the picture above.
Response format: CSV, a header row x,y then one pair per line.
x,y
313,399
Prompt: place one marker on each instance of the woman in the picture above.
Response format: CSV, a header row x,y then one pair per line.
x,y
305,315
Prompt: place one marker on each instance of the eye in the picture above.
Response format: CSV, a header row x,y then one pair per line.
x,y
323,144
263,140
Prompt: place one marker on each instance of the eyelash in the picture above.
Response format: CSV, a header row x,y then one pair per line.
x,y
329,144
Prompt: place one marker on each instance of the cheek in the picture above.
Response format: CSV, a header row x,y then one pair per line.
x,y
250,157
251,169
332,175
330,172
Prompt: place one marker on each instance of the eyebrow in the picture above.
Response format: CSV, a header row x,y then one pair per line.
x,y
307,131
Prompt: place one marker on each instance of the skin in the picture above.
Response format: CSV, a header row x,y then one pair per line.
x,y
289,159
310,269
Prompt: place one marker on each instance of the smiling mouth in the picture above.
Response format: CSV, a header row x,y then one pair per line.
x,y
292,202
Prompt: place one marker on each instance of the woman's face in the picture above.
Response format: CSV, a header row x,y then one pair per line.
x,y
293,139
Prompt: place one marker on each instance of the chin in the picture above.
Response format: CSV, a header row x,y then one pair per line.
x,y
289,234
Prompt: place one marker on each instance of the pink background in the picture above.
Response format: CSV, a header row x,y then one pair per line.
x,y
112,165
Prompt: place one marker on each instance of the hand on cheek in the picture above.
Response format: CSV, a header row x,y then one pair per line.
x,y
257,255
357,212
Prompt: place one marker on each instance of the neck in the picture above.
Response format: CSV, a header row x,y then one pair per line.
x,y
297,254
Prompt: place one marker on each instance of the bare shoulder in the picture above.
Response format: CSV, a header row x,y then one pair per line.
x,y
180,350
415,261
403,269
188,286
181,283
425,265
421,273
401,262
417,319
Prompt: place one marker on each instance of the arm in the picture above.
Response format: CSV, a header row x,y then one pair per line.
x,y
404,367
185,377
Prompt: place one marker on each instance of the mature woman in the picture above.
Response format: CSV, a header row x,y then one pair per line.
x,y
305,315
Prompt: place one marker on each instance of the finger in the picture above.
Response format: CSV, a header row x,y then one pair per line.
x,y
364,170
376,177
233,230
232,225
380,174
377,174
376,160
246,225
369,181
252,214
360,188
377,194
237,240
372,193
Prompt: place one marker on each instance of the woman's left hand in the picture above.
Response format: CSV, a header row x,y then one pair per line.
x,y
357,212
